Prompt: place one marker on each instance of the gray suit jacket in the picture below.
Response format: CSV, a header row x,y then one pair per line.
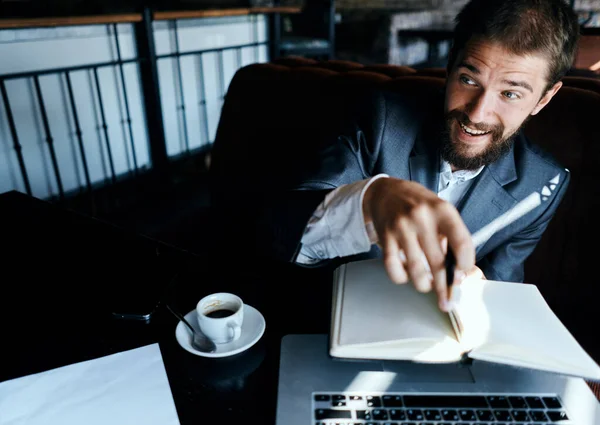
x,y
389,133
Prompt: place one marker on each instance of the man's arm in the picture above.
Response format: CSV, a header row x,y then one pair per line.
x,y
411,224
407,217
337,228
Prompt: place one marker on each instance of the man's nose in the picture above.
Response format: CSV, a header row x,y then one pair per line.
x,y
480,107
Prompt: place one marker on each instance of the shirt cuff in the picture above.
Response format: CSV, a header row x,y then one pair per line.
x,y
337,228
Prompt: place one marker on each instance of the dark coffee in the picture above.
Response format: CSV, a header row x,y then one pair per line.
x,y
217,314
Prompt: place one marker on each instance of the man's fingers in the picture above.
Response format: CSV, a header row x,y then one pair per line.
x,y
430,243
459,276
410,218
393,260
444,243
459,238
415,266
475,272
434,248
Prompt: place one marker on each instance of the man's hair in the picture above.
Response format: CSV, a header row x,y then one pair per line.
x,y
547,27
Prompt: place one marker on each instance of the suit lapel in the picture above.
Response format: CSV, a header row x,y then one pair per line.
x,y
487,198
424,161
425,169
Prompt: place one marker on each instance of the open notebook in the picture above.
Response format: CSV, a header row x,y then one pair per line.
x,y
501,322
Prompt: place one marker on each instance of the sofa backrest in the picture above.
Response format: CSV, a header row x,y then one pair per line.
x,y
276,108
273,113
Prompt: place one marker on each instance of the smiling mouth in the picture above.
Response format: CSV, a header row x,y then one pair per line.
x,y
471,131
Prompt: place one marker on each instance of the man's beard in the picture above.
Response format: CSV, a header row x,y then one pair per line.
x,y
459,158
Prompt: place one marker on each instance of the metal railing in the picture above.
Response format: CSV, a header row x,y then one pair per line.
x,y
147,60
198,54
65,74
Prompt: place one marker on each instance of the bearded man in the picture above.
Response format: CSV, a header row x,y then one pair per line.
x,y
409,176
408,182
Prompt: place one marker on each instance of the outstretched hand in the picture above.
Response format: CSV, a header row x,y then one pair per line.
x,y
414,229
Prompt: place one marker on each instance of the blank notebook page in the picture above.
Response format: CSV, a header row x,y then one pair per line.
x,y
374,309
518,327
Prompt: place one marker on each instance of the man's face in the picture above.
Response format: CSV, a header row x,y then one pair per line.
x,y
489,95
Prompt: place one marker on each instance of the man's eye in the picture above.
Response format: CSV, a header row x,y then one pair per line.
x,y
511,95
467,80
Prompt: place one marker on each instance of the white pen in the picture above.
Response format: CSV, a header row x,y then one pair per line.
x,y
482,235
516,212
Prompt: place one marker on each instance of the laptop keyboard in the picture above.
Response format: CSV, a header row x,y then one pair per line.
x,y
437,409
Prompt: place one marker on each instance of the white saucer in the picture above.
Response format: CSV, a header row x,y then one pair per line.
x,y
253,328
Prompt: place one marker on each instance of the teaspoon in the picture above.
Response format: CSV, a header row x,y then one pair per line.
x,y
199,341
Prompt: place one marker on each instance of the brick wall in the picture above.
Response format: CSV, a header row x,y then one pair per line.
x,y
383,4
369,34
443,5
389,4
368,29
587,4
421,4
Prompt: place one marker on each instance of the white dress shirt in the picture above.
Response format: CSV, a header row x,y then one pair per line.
x,y
337,227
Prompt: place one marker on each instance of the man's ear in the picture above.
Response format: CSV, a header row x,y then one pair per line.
x,y
546,98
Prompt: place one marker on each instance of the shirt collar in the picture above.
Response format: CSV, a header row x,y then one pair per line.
x,y
447,177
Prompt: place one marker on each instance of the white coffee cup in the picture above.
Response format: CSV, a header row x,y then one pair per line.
x,y
220,317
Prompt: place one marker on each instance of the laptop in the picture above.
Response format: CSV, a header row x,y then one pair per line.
x,y
317,389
